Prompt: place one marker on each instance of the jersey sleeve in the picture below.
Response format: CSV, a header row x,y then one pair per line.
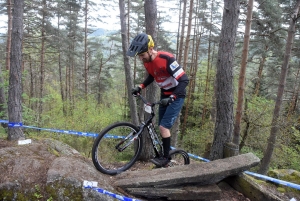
x,y
147,81
178,73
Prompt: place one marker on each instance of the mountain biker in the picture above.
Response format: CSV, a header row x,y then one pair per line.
x,y
172,80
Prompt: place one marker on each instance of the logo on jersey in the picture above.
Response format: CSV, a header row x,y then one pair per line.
x,y
174,65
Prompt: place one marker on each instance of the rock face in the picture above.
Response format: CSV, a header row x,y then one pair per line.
x,y
45,170
192,182
198,173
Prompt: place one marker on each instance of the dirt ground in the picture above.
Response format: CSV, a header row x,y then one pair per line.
x,y
228,193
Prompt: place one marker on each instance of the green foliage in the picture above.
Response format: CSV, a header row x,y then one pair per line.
x,y
37,194
259,117
285,149
197,138
85,116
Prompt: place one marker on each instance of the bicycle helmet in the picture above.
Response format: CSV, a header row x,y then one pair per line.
x,y
140,44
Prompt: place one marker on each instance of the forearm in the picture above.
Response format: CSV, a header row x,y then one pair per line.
x,y
147,81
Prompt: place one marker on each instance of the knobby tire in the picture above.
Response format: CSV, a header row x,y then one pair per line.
x,y
178,157
106,158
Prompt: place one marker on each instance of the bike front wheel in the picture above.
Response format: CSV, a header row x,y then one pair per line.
x,y
114,150
178,157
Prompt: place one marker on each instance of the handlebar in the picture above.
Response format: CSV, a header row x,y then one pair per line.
x,y
146,102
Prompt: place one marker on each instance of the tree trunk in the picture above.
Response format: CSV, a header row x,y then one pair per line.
x,y
180,48
188,35
128,72
85,51
61,83
265,162
224,79
31,88
42,60
15,73
152,90
207,82
193,75
99,82
239,107
8,41
259,74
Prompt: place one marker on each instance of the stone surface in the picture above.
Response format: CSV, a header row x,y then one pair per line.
x,y
198,173
209,192
50,169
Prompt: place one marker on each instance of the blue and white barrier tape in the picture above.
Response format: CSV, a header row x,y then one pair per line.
x,y
119,197
284,183
198,157
10,124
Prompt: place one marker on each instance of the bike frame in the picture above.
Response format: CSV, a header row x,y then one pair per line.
x,y
151,130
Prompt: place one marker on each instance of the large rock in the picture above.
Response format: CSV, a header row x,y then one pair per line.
x,y
209,192
196,181
48,169
198,173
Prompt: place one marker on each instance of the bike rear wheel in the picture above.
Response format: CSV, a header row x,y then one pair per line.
x,y
178,157
107,158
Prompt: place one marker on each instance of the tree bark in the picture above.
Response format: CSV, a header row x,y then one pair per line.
x,y
152,90
224,79
188,35
42,60
259,73
86,53
61,83
8,41
180,48
241,90
207,82
265,162
128,71
15,74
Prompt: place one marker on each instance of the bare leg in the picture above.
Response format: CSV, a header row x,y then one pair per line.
x,y
165,133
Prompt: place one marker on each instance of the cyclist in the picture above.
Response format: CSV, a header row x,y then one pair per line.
x,y
172,80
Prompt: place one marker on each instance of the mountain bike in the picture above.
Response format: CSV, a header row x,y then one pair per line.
x,y
118,146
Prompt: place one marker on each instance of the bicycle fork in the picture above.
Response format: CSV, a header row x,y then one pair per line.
x,y
133,138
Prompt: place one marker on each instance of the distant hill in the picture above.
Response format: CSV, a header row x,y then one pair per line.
x,y
101,32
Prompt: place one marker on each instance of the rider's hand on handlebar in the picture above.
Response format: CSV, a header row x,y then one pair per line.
x,y
167,101
135,91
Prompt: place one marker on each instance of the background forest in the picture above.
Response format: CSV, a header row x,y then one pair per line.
x,y
73,71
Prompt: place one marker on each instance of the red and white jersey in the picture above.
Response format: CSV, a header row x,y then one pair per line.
x,y
167,73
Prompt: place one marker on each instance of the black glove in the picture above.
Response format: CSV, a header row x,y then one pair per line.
x,y
135,91
167,101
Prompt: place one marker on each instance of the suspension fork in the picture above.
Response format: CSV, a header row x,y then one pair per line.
x,y
133,138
